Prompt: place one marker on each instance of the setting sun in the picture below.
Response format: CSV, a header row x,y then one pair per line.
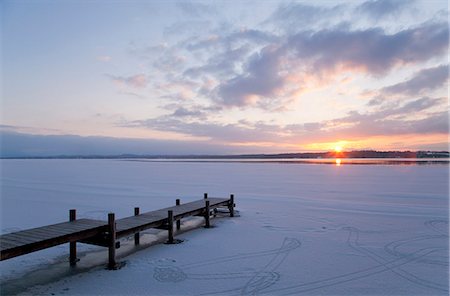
x,y
338,149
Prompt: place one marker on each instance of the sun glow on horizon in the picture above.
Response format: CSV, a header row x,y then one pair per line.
x,y
338,149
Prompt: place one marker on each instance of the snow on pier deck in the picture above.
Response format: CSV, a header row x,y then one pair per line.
x,y
106,233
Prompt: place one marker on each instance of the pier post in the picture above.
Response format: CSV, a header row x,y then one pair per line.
x,y
177,202
205,195
136,235
231,205
170,226
73,245
112,265
207,225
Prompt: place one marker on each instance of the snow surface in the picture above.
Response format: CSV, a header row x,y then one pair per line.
x,y
302,229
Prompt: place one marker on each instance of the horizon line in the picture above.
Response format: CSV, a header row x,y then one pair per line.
x,y
311,154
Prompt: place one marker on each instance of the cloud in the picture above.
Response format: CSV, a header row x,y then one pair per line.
x,y
424,80
378,100
378,9
419,105
409,118
218,133
226,53
220,65
276,71
183,112
146,52
297,16
269,68
104,58
186,27
260,80
195,9
370,50
135,81
436,123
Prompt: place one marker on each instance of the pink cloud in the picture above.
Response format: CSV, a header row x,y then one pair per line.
x,y
135,81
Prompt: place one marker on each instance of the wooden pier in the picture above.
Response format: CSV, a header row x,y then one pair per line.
x,y
107,233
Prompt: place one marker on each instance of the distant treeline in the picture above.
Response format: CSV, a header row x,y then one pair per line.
x,y
348,154
306,155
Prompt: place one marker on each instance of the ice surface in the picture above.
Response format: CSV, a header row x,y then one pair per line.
x,y
309,229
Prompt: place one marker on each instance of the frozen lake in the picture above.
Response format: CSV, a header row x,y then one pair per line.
x,y
312,229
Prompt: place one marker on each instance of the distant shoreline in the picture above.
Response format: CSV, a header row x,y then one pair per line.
x,y
329,161
365,154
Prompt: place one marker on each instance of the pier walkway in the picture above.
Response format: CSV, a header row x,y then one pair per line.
x,y
107,233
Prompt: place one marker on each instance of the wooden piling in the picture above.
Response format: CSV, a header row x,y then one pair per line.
x,y
170,226
112,241
136,235
231,205
207,225
177,203
205,195
73,245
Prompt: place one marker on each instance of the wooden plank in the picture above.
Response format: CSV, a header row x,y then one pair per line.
x,y
140,218
88,222
51,231
21,239
41,235
75,226
36,236
46,243
153,215
62,228
47,232
8,244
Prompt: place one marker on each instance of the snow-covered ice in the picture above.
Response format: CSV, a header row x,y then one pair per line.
x,y
306,229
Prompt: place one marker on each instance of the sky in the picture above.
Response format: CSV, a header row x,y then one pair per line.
x,y
223,77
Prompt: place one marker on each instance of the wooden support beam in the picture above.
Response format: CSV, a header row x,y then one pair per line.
x,y
112,265
207,225
73,245
231,205
177,203
136,235
170,226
